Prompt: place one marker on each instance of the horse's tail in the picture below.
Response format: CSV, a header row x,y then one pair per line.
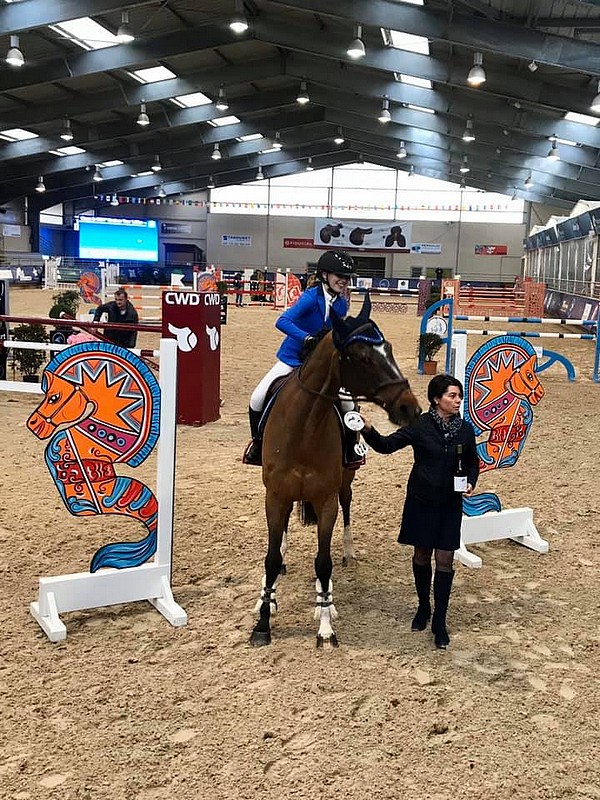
x,y
306,513
130,498
480,504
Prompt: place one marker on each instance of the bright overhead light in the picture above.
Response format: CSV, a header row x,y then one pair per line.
x,y
143,119
156,166
153,75
211,183
259,174
17,135
114,200
528,184
222,104
97,177
412,80
67,133
302,96
309,164
423,109
476,74
85,33
125,33
401,151
216,153
250,137
114,162
239,23
584,119
464,167
411,171
339,138
40,186
15,57
144,174
384,115
68,150
221,122
468,135
276,144
356,48
405,41
191,100
161,191
553,154
532,66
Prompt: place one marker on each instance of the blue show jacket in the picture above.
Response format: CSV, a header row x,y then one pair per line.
x,y
305,318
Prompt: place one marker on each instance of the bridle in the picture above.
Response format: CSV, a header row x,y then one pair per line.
x,y
62,404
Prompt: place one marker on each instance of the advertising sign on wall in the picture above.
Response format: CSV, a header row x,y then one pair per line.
x,y
393,236
427,248
175,227
491,249
297,242
236,239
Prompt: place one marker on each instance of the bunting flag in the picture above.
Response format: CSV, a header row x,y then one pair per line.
x,y
318,209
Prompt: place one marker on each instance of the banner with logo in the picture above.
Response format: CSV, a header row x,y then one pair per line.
x,y
347,234
491,249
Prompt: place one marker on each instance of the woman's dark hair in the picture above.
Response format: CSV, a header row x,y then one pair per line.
x,y
439,386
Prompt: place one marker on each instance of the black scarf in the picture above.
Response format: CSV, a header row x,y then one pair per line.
x,y
449,428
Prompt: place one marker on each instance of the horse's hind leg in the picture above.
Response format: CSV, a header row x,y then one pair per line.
x,y
277,516
325,610
348,554
284,544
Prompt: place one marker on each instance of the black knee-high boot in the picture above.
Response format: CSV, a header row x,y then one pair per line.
x,y
253,454
442,586
422,573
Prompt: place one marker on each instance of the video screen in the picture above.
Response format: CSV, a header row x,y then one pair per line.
x,y
118,239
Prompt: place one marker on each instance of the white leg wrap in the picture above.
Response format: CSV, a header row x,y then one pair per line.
x,y
325,611
266,595
347,544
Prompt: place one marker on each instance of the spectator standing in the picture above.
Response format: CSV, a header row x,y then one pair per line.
x,y
119,310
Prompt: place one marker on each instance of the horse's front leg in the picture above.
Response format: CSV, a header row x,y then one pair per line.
x,y
277,516
325,611
348,555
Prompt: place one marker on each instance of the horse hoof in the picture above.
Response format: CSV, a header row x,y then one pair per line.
x,y
348,562
283,570
260,638
331,642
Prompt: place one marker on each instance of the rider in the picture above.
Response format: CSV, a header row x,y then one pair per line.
x,y
301,323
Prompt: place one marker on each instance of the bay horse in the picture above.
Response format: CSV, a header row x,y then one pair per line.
x,y
302,448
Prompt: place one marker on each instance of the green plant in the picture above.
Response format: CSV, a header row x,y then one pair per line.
x,y
222,287
67,302
29,361
428,346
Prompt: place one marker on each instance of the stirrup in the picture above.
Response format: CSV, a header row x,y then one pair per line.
x,y
253,453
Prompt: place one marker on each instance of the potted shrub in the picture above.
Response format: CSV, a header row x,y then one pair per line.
x,y
427,348
29,361
66,305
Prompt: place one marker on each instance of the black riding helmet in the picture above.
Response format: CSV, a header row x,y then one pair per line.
x,y
337,262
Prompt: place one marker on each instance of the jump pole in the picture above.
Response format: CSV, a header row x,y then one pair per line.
x,y
150,581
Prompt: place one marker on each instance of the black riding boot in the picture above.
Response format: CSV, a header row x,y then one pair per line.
x,y
442,585
422,573
351,458
253,454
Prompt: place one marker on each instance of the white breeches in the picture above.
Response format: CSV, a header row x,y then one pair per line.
x,y
258,396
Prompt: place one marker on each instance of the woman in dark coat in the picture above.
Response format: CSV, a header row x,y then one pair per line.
x,y
432,513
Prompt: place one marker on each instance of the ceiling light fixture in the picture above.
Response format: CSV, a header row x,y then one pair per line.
x,y
595,106
211,183
356,48
97,176
259,174
464,167
114,200
303,97
384,115
156,166
143,118
67,133
161,191
276,143
528,184
476,74
533,66
40,186
15,57
239,23
468,135
339,137
216,153
553,154
401,151
125,33
222,104
309,164
411,171
463,183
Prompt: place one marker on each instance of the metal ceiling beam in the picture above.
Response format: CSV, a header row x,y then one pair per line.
x,y
463,29
18,17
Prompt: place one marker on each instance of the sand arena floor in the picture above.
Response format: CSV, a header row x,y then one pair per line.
x,y
128,707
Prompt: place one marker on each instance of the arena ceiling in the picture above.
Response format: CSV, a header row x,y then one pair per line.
x,y
541,59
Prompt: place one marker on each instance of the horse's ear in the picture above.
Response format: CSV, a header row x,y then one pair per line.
x,y
365,312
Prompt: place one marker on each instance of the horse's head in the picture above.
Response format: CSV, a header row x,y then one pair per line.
x,y
368,367
63,406
525,383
